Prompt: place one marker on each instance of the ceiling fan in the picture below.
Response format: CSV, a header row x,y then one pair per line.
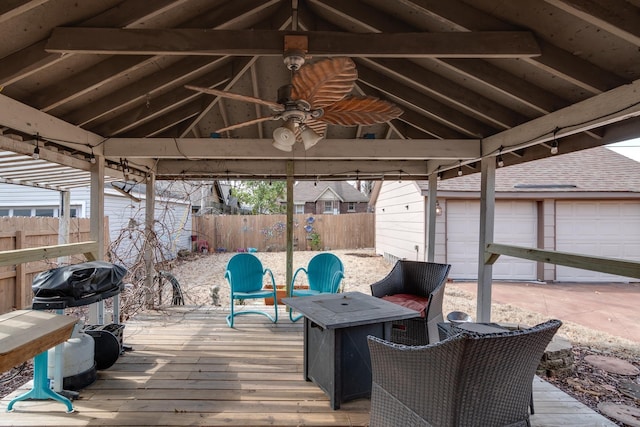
x,y
319,95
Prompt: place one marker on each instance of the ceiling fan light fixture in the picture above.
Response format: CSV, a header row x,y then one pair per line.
x,y
309,137
282,146
284,137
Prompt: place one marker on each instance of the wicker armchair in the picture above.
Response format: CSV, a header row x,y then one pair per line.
x,y
422,279
465,380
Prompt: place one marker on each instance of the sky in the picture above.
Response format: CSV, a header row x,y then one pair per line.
x,y
629,148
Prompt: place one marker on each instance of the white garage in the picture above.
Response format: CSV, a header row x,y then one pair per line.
x,y
515,224
569,203
601,228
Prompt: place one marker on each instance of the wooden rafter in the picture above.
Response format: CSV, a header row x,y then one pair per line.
x,y
113,41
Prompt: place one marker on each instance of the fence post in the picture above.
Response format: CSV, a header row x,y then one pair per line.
x,y
21,274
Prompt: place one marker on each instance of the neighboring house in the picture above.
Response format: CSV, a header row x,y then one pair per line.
x,y
125,214
587,202
328,197
207,197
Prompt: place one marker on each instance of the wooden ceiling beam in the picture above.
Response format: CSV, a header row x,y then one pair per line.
x,y
161,104
434,84
559,62
450,12
619,17
581,73
26,119
241,66
303,169
255,149
429,126
614,106
34,58
79,84
507,84
113,41
9,9
234,15
183,71
241,13
166,122
404,95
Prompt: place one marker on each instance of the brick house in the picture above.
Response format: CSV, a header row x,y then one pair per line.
x,y
328,197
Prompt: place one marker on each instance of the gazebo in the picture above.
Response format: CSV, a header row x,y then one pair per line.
x,y
189,90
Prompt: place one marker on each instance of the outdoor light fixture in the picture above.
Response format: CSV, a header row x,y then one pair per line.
x,y
554,143
284,137
92,158
438,209
309,137
36,151
460,168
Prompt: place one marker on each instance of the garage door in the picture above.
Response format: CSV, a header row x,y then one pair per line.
x,y
603,228
515,225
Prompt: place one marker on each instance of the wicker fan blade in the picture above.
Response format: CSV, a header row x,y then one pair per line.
x,y
325,82
248,123
273,105
354,110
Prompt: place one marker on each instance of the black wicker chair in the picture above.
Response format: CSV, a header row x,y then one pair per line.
x,y
422,279
466,380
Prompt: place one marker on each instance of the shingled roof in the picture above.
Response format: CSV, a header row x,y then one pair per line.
x,y
310,191
594,170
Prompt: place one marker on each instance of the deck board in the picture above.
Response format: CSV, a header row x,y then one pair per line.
x,y
188,368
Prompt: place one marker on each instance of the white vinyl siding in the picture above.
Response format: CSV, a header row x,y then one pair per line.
x,y
400,221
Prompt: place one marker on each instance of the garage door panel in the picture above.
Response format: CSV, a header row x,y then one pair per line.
x,y
515,224
600,228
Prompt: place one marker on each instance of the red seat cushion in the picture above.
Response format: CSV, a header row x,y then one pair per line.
x,y
414,302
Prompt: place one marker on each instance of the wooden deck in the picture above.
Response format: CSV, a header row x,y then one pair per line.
x,y
188,368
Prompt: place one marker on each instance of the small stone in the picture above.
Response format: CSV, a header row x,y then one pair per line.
x,y
612,365
623,413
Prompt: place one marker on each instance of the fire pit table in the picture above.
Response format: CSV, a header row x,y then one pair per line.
x,y
336,326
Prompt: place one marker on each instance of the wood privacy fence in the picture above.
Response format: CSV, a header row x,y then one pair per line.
x,y
267,233
23,233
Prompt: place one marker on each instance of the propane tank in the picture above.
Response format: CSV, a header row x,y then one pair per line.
x,y
78,360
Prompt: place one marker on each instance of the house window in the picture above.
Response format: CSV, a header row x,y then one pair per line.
x,y
4,212
22,212
44,212
351,207
328,206
299,209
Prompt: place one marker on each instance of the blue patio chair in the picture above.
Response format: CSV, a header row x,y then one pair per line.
x,y
324,274
245,275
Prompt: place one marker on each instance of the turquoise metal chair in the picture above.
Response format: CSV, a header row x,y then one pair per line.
x,y
245,275
324,274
